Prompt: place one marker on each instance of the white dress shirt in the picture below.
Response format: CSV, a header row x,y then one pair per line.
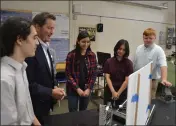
x,y
53,57
45,46
16,105
145,55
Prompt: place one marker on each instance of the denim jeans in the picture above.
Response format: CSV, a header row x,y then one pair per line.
x,y
75,100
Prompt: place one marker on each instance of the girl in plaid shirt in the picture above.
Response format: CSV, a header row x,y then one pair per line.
x,y
81,68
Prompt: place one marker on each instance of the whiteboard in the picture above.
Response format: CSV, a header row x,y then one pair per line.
x,y
62,26
61,47
144,96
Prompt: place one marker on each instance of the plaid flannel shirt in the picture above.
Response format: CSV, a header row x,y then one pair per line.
x,y
73,71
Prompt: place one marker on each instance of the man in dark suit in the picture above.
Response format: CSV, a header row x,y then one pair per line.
x,y
40,70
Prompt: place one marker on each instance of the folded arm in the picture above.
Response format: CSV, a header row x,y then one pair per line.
x,y
36,122
109,82
124,86
125,83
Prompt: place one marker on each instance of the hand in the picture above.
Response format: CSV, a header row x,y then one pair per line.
x,y
63,93
115,95
166,83
80,92
58,93
36,122
86,92
63,90
55,87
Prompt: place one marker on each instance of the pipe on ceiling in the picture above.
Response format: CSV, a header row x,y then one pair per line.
x,y
140,4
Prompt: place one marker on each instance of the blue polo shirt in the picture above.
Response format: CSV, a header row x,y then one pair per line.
x,y
154,53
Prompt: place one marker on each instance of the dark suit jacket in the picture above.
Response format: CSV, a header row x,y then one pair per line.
x,y
41,82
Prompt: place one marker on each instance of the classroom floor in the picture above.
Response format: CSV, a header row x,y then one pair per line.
x,y
63,108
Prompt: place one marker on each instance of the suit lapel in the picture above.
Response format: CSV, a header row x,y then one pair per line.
x,y
40,55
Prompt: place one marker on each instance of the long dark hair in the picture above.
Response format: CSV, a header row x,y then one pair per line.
x,y
81,35
13,28
117,46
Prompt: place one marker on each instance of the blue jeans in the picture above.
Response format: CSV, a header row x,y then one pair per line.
x,y
74,100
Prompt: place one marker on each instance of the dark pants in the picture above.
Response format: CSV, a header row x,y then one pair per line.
x,y
41,118
108,97
75,100
41,110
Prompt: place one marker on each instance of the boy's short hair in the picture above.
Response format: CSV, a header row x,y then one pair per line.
x,y
149,31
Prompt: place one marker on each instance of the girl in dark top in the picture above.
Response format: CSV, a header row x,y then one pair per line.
x,y
117,69
81,73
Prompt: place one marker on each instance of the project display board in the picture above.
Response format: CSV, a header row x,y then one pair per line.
x,y
139,96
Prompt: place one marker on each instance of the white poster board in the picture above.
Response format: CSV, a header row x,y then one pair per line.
x,y
139,96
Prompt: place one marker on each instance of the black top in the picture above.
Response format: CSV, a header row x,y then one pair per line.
x,y
83,73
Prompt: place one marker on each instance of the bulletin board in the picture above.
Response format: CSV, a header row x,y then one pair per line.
x,y
5,14
60,39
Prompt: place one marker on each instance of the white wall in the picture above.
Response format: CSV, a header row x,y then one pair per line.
x,y
50,6
114,29
169,14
